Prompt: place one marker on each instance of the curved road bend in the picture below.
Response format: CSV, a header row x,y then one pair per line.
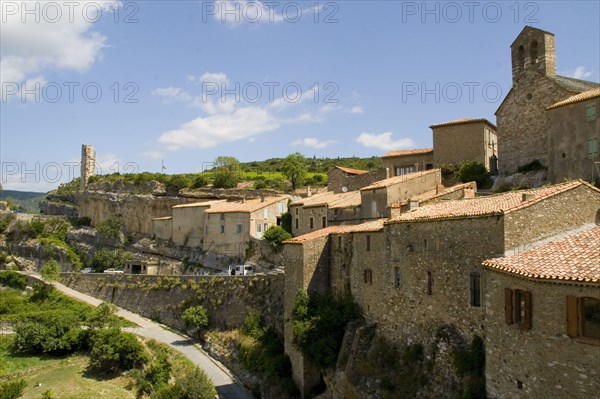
x,y
224,382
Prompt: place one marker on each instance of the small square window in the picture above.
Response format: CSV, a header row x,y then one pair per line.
x,y
239,228
222,216
475,289
368,243
368,276
222,229
312,222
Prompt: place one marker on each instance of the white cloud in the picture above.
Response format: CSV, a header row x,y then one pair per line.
x,y
312,142
384,141
357,110
30,48
210,131
579,73
171,94
209,77
154,154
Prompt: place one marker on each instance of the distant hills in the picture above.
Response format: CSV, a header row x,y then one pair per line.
x,y
27,199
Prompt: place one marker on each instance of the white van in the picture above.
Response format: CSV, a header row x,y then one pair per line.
x,y
241,270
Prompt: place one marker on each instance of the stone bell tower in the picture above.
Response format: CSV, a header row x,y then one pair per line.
x,y
88,165
533,49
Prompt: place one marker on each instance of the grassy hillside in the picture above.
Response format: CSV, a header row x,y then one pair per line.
x,y
25,199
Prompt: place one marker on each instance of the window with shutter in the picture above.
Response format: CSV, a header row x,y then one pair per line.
x,y
517,308
368,243
590,317
572,316
475,289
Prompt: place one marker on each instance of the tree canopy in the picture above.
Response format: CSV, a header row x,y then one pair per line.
x,y
294,168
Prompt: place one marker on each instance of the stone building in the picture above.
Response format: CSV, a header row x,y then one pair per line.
x,y
320,210
377,198
422,270
88,165
573,137
439,194
543,319
466,139
408,161
521,118
341,180
228,226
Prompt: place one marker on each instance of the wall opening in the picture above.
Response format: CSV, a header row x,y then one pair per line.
x,y
521,59
533,52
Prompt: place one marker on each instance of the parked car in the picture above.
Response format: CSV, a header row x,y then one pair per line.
x,y
113,271
87,270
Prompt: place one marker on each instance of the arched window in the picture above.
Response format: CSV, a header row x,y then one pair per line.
x,y
534,52
521,56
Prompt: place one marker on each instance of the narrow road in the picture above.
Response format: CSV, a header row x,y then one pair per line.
x,y
224,382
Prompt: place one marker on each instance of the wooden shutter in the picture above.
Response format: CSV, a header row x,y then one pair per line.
x,y
572,319
527,321
508,306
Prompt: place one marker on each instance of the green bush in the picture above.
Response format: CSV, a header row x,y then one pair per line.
x,y
179,182
200,181
195,385
5,221
276,235
318,325
114,351
111,228
195,318
12,389
50,271
13,280
51,333
474,171
102,316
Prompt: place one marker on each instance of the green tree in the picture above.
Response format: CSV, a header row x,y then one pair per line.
x,y
102,316
294,168
276,235
179,182
200,181
226,173
50,271
195,385
115,351
474,171
55,332
195,318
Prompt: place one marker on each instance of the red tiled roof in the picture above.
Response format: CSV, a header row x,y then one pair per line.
x,y
463,121
402,153
575,258
490,205
432,194
352,171
375,225
245,207
398,179
197,204
586,95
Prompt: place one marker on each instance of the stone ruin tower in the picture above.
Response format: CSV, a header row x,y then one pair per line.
x,y
88,165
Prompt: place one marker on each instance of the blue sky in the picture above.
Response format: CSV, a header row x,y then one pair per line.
x,y
183,82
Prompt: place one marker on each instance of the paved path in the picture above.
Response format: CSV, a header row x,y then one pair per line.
x,y
227,387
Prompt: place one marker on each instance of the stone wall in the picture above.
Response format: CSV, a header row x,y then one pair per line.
x,y
546,362
303,215
420,162
464,142
568,133
228,299
337,179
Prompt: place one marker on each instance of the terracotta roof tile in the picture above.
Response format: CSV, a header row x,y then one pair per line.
x,y
374,225
463,121
330,199
244,207
586,95
401,153
575,258
488,205
352,171
399,179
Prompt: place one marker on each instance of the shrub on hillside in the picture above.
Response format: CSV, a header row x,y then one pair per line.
x,y
114,351
195,318
12,389
195,385
52,333
13,280
50,271
532,166
106,259
276,235
474,171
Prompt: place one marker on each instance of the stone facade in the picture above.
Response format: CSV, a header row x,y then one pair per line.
x,y
376,199
344,179
574,137
188,223
542,362
408,161
464,140
88,165
521,118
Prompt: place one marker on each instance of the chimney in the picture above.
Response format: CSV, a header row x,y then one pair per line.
x,y
243,200
262,198
414,204
440,189
468,193
387,173
527,197
395,211
308,191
